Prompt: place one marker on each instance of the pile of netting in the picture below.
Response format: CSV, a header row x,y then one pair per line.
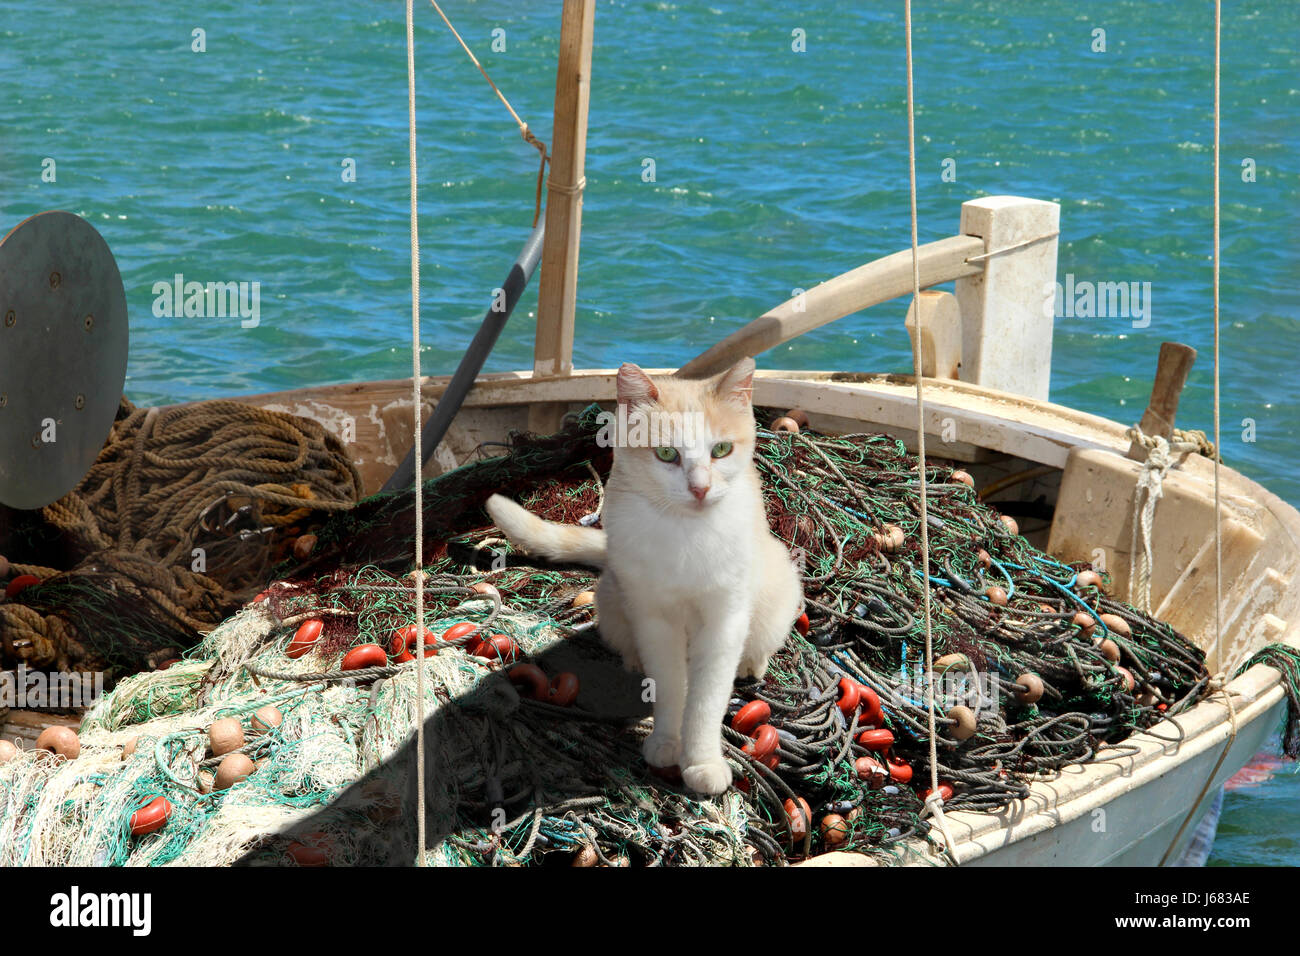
x,y
180,519
306,699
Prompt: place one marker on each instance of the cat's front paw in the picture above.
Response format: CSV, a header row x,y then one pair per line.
x,y
712,777
660,750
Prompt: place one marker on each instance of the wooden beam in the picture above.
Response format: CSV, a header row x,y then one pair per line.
x,y
863,287
557,295
1172,369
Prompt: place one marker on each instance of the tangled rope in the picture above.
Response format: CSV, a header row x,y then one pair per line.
x,y
1148,491
182,512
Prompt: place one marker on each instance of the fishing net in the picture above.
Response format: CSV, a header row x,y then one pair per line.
x,y
1036,670
183,512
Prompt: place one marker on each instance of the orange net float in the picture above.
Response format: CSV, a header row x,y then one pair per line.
x,y
461,633
850,695
945,791
312,853
563,690
20,584
801,625
799,815
402,644
764,744
834,829
304,639
855,695
871,772
878,740
900,771
530,680
364,655
746,719
151,817
498,647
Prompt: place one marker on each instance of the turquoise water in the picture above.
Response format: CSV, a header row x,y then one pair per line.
x,y
774,170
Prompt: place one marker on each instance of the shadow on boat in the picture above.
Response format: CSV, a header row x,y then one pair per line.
x,y
493,758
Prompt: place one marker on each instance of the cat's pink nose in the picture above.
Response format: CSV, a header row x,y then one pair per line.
x,y
699,491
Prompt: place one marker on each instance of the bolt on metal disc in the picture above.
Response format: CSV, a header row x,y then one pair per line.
x,y
63,348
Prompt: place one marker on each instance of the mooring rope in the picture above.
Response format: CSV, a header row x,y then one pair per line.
x,y
416,408
933,802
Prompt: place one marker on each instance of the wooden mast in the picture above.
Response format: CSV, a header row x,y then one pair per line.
x,y
557,295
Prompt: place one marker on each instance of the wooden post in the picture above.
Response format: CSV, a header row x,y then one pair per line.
x,y
1172,368
558,291
1007,310
935,323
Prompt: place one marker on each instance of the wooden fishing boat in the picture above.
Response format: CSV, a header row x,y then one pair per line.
x,y
986,348
1076,467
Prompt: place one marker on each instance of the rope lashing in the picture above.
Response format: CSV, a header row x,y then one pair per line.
x,y
524,131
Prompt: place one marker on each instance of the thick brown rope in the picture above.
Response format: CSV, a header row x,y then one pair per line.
x,y
166,483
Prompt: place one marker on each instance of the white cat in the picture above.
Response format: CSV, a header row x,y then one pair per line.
x,y
695,588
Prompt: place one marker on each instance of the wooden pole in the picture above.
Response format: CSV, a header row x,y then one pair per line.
x,y
557,295
1172,369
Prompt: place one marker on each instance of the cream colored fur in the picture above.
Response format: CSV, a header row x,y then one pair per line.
x,y
695,588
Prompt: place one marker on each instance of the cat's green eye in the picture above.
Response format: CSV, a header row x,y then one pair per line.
x,y
722,449
666,454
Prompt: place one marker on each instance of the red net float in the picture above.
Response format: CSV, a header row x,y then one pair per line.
x,y
799,816
900,771
151,817
498,647
764,744
750,716
304,639
850,695
366,655
945,791
458,633
801,624
880,740
19,584
531,681
311,853
402,644
564,689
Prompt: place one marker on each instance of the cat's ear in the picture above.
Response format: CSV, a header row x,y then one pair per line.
x,y
635,387
736,384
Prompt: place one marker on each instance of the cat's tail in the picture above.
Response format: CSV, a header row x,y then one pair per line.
x,y
547,539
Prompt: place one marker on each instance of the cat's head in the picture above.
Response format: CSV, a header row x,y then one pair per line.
x,y
686,442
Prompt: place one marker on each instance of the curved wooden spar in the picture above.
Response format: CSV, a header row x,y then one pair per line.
x,y
863,287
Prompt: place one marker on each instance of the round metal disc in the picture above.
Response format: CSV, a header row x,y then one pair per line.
x,y
63,345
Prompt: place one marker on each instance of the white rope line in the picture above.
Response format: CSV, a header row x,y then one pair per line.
x,y
1218,683
1218,444
934,802
416,408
